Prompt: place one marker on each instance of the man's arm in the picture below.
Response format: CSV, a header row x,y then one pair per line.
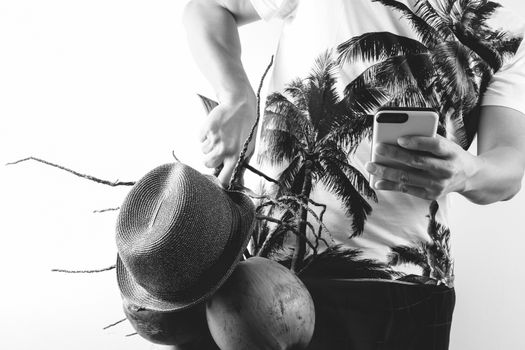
x,y
501,156
213,39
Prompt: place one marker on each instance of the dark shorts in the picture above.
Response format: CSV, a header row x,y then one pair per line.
x,y
380,315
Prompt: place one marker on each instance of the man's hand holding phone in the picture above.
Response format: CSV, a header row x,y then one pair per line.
x,y
432,166
408,156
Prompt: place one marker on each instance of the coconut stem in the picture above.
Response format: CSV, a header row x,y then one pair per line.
x,y
114,324
260,173
84,271
105,210
76,173
270,239
237,171
303,202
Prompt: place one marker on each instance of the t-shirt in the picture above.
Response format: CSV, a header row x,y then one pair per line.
x,y
336,63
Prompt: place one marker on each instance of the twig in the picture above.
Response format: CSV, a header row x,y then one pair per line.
x,y
311,227
305,238
246,254
84,176
85,271
131,334
310,210
270,238
105,210
174,156
318,237
310,261
252,194
271,219
280,202
114,324
294,199
288,226
238,168
315,203
272,202
260,173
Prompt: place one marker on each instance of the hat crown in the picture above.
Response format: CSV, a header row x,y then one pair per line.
x,y
172,227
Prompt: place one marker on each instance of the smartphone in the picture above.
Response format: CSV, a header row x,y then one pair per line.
x,y
391,123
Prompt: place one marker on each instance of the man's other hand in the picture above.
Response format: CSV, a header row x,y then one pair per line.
x,y
224,132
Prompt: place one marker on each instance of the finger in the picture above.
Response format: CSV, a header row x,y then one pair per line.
x,y
414,159
386,185
438,145
227,171
203,133
208,145
407,177
214,158
206,129
217,170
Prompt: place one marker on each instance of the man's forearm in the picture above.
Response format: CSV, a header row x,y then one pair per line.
x,y
214,42
497,176
213,38
498,169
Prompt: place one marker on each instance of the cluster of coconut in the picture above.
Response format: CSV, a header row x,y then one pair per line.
x,y
263,305
180,237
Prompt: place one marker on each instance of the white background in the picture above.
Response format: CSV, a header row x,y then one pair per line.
x,y
108,88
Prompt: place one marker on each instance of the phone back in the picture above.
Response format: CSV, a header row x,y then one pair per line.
x,y
391,124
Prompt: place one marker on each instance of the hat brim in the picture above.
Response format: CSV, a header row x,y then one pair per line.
x,y
212,279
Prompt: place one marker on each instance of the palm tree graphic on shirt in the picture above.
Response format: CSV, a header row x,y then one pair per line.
x,y
309,128
448,67
432,256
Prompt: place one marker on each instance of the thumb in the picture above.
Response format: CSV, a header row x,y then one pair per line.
x,y
227,171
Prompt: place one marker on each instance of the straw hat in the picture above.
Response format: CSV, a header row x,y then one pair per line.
x,y
179,237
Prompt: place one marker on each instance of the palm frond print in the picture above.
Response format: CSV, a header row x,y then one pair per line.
x,y
311,129
433,256
447,68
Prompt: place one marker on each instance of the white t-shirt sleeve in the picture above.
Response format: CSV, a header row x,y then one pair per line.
x,y
507,87
269,9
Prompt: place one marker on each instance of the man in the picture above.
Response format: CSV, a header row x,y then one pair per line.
x,y
365,54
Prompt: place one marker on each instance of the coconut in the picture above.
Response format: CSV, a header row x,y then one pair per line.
x,y
187,329
263,305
